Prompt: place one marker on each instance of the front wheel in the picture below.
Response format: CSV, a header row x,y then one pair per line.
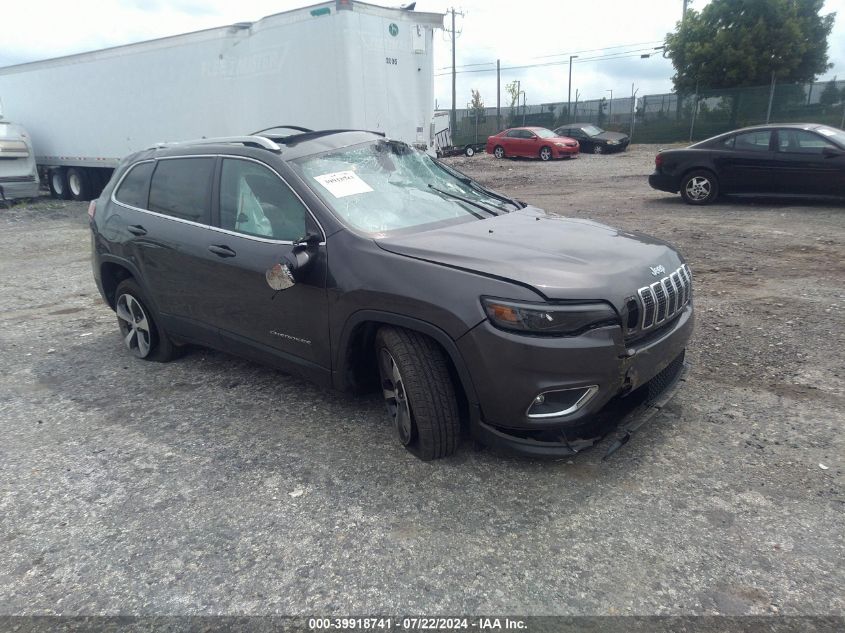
x,y
598,149
699,187
418,392
499,151
142,335
545,153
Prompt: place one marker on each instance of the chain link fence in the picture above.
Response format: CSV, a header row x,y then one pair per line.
x,y
670,117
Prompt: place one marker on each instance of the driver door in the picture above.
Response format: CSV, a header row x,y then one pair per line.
x,y
258,217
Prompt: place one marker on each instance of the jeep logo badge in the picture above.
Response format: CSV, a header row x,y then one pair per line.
x,y
657,270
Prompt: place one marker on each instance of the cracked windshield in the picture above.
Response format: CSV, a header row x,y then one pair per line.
x,y
386,186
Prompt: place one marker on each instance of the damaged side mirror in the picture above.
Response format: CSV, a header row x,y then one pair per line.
x,y
284,275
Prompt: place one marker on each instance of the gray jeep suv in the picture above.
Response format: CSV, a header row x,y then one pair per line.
x,y
359,262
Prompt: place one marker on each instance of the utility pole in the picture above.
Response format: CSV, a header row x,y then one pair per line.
x,y
683,17
771,98
610,106
569,92
453,123
498,97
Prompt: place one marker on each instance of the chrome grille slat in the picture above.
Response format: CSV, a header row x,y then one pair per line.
x,y
665,298
648,303
657,288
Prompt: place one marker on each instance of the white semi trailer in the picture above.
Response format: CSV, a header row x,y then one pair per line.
x,y
334,65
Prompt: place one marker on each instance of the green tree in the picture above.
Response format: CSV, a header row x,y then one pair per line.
x,y
512,89
476,106
830,94
736,43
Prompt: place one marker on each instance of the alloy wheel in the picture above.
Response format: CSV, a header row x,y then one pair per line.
x,y
499,152
134,325
698,188
395,396
545,153
598,149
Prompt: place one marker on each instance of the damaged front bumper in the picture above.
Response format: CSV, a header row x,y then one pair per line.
x,y
622,414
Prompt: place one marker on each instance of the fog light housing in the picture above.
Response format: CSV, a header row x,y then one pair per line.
x,y
559,402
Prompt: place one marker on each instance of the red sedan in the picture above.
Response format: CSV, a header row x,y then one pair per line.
x,y
532,142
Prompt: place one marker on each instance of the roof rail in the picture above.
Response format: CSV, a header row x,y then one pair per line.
x,y
296,128
261,141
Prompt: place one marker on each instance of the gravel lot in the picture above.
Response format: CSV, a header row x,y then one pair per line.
x,y
215,486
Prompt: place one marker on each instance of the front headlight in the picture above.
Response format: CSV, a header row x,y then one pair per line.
x,y
565,319
560,144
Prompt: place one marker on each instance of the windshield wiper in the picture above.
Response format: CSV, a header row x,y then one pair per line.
x,y
469,181
477,205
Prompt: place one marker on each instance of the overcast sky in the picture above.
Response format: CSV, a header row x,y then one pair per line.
x,y
519,33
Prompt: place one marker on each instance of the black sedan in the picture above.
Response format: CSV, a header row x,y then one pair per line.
x,y
594,140
805,159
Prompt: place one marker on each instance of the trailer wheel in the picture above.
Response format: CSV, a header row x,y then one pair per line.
x,y
57,180
469,150
78,183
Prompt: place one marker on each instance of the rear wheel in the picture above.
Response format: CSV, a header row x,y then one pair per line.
x,y
57,179
78,183
699,187
499,151
142,335
545,153
418,391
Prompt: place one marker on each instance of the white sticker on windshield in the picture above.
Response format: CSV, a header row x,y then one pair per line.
x,y
343,183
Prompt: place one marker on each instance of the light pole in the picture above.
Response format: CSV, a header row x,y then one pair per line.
x,y
569,93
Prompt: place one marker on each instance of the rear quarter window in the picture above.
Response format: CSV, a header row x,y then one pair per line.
x,y
135,185
181,188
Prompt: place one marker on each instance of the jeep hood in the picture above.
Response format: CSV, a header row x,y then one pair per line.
x,y
560,258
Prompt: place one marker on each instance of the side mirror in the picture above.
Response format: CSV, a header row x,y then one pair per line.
x,y
284,274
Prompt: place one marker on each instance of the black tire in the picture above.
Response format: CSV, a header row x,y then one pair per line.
x,y
78,183
57,181
469,151
499,151
155,345
425,387
545,153
699,186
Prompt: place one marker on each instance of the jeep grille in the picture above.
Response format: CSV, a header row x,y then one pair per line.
x,y
663,299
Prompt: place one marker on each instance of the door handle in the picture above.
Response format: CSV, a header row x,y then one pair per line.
x,y
221,250
136,229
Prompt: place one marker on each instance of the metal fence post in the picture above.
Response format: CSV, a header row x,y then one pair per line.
x,y
771,98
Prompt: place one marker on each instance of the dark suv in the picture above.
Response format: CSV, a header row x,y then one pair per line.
x,y
359,262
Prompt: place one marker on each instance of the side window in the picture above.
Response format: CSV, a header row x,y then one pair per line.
x,y
801,142
181,188
514,134
133,189
255,201
757,141
726,143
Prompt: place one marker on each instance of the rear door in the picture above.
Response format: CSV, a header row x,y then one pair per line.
x,y
258,217
748,163
168,229
510,141
804,166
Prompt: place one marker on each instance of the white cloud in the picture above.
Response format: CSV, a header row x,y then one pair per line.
x,y
523,33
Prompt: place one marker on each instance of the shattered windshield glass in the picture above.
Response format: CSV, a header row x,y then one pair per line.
x,y
384,186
